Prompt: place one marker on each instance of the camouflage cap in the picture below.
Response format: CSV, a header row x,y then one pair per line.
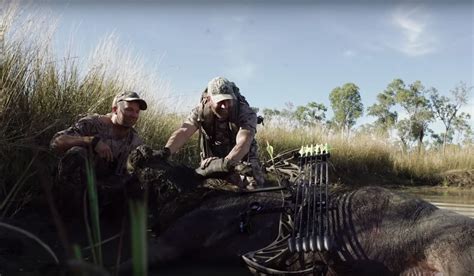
x,y
220,89
129,96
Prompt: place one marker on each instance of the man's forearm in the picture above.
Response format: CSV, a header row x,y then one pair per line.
x,y
243,142
180,137
64,142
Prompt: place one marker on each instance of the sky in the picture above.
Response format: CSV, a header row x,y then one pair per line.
x,y
283,51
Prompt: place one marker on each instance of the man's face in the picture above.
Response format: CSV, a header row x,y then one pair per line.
x,y
222,109
127,113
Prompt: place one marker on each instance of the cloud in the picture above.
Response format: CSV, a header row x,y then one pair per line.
x,y
415,37
349,53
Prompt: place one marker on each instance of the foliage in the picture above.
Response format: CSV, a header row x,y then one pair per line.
x,y
447,110
42,95
413,101
311,114
347,106
386,119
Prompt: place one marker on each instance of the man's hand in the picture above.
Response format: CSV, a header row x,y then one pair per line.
x,y
104,151
215,165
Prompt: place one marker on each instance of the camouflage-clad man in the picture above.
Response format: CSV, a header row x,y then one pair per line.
x,y
227,127
105,140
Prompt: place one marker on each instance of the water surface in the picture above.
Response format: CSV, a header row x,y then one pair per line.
x,y
457,200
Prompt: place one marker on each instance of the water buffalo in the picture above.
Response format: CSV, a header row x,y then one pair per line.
x,y
376,230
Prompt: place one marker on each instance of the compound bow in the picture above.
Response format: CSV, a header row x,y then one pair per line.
x,y
304,220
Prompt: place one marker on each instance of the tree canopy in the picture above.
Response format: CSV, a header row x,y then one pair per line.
x,y
347,106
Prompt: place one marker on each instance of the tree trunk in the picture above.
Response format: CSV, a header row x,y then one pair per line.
x,y
420,140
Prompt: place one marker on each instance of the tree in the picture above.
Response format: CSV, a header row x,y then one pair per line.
x,y
404,133
346,105
285,115
463,128
269,114
310,114
447,109
386,119
413,101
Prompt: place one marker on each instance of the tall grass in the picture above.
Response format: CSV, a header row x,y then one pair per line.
x,y
43,93
373,158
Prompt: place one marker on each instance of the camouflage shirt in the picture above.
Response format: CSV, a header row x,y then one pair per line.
x,y
245,119
221,134
97,125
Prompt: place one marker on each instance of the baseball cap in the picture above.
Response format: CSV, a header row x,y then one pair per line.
x,y
130,96
220,89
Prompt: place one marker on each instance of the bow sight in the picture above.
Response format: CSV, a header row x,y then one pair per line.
x,y
304,229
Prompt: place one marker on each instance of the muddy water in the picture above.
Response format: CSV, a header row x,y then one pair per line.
x,y
459,201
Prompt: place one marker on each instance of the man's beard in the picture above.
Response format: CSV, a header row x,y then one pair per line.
x,y
221,114
127,123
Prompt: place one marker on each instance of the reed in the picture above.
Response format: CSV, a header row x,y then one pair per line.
x,y
138,221
91,215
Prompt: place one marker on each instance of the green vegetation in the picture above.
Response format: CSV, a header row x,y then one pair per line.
x,y
138,223
347,106
93,228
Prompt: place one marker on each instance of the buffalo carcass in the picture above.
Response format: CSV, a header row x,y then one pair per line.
x,y
376,230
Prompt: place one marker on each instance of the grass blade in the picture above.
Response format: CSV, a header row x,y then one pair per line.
x,y
139,238
94,229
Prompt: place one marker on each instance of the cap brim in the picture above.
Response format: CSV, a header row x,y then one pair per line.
x,y
222,97
141,103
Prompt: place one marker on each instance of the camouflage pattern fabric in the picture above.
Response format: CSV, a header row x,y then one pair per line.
x,y
95,125
246,119
220,135
110,176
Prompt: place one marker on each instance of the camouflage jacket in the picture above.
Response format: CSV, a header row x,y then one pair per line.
x,y
95,125
219,137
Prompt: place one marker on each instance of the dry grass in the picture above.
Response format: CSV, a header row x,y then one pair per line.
x,y
364,156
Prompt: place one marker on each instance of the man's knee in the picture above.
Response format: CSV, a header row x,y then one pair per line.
x,y
75,156
76,152
72,165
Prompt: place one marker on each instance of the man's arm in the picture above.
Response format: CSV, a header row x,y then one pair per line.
x,y
64,142
180,137
243,142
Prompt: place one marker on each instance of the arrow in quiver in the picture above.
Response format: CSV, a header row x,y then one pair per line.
x,y
304,222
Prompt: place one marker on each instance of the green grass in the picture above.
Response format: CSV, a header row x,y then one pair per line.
x,y
138,218
92,218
